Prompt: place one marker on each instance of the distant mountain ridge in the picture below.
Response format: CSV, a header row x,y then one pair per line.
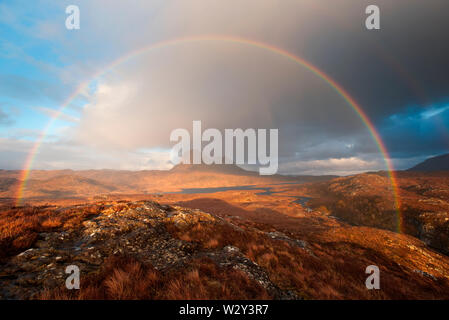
x,y
438,163
86,183
219,168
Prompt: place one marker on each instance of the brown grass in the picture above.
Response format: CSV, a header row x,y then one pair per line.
x,y
128,279
336,270
332,267
20,226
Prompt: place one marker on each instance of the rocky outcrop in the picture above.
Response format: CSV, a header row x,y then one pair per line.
x,y
368,200
137,229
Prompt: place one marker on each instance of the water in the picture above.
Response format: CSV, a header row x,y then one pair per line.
x,y
302,201
266,190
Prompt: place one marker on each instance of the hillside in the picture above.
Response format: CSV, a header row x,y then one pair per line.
x,y
67,185
439,163
367,200
88,183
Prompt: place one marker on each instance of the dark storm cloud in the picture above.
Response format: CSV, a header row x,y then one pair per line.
x,y
389,70
415,132
386,70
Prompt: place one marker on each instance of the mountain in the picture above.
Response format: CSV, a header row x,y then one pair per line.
x,y
215,168
87,183
439,163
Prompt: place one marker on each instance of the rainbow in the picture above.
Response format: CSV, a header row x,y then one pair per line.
x,y
231,39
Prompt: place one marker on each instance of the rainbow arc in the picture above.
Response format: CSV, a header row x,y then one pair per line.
x,y
230,39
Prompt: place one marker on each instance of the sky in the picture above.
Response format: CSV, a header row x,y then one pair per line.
x,y
121,116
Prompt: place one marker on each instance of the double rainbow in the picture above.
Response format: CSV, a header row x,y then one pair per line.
x,y
219,38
